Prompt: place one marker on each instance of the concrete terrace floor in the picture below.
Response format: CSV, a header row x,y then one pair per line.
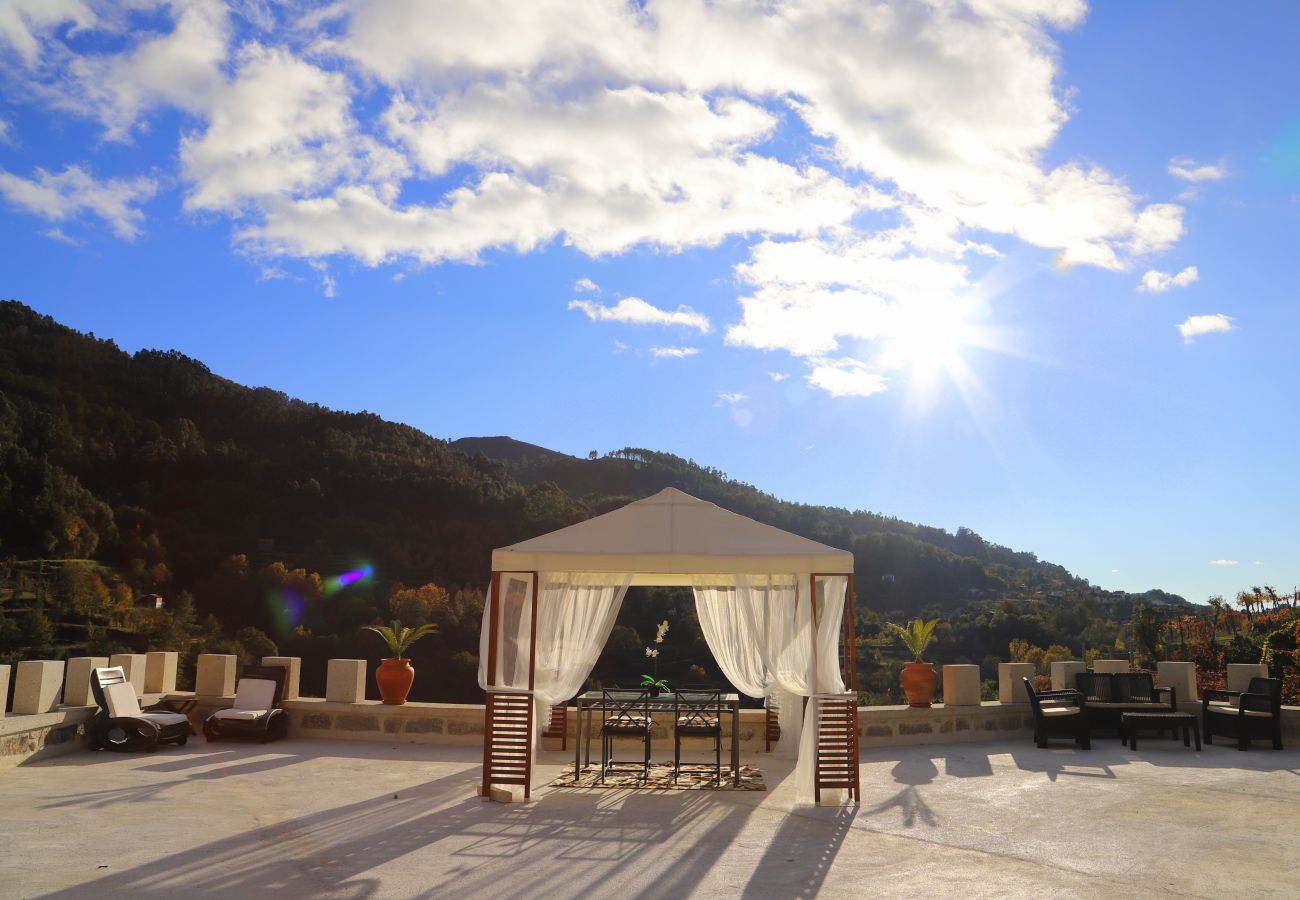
x,y
314,818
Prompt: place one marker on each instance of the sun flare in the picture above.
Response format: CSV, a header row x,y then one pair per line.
x,y
928,341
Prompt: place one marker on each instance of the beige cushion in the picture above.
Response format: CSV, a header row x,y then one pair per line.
x,y
255,693
243,715
121,700
164,718
1232,711
1057,711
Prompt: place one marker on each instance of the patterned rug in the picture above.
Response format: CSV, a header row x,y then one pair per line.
x,y
692,778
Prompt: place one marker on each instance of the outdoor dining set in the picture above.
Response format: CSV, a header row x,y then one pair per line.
x,y
696,713
1129,702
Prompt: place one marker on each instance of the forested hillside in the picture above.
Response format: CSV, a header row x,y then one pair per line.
x,y
129,475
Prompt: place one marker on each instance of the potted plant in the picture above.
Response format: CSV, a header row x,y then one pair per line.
x,y
918,677
652,683
655,686
395,675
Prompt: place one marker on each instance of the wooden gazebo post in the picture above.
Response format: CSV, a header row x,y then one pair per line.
x,y
836,718
508,714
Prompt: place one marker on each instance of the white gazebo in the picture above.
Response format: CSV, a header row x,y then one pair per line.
x,y
774,608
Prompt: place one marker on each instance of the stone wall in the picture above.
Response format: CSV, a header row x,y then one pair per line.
x,y
37,737
61,729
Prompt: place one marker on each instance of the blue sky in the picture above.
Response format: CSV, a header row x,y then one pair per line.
x,y
1017,265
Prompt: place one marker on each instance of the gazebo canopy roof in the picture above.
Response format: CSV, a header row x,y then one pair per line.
x,y
668,538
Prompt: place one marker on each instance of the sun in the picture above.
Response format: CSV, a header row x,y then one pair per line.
x,y
927,340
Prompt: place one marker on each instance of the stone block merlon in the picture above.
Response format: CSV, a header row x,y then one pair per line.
x,y
37,686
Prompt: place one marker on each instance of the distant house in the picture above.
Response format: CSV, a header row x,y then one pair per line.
x,y
151,601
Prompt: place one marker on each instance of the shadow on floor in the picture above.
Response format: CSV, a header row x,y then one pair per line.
x,y
329,853
154,791
799,856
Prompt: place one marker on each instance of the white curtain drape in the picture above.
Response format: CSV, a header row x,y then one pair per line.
x,y
574,619
761,634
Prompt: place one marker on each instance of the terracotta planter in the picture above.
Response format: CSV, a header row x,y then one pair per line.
x,y
394,678
919,680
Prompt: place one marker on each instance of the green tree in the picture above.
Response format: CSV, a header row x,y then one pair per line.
x,y
1147,624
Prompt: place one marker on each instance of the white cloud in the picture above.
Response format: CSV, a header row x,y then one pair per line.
x,y
58,234
326,279
586,286
282,127
5,137
674,352
1157,282
807,321
778,377
1195,326
1259,562
1224,562
24,24
635,311
847,377
1190,170
179,68
74,191
730,398
614,125
435,130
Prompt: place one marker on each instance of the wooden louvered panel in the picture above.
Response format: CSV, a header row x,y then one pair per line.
x,y
558,727
837,744
772,724
507,739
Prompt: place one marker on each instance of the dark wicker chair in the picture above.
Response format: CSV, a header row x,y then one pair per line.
x,y
1253,713
1059,714
626,713
256,711
1108,695
122,725
698,713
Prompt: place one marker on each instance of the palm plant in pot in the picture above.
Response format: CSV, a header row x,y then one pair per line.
x,y
395,675
918,677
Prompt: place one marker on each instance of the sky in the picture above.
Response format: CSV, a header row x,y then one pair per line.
x,y
1027,267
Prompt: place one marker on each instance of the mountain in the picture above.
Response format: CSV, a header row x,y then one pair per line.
x,y
151,463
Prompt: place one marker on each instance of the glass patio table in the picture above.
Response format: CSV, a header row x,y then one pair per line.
x,y
592,701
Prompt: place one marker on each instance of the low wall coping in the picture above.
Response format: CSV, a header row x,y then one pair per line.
x,y
64,715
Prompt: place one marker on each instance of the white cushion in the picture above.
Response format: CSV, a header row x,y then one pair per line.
x,y
121,700
244,715
1232,711
164,718
1057,711
255,693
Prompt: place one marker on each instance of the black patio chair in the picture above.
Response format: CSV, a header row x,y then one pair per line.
x,y
1257,713
1058,714
698,713
122,725
624,714
256,711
